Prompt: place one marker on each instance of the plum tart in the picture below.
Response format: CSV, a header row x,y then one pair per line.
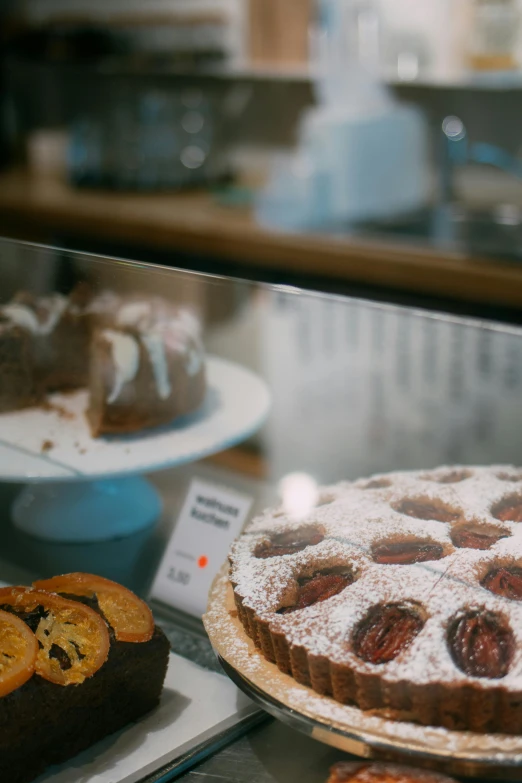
x,y
400,594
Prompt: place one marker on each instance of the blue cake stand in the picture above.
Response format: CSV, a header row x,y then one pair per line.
x,y
82,489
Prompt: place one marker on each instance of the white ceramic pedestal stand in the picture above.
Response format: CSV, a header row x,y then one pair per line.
x,y
84,489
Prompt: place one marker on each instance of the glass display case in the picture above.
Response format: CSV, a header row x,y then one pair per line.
x,y
148,414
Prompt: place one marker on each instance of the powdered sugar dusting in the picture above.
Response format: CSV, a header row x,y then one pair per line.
x,y
230,640
353,519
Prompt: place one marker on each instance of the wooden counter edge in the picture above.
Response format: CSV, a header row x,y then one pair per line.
x,y
194,223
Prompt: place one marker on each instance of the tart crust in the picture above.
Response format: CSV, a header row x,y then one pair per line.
x,y
348,728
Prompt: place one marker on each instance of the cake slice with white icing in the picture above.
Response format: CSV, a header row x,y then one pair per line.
x,y
140,357
51,335
146,369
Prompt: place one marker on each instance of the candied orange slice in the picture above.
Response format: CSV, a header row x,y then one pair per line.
x,y
129,616
18,650
73,640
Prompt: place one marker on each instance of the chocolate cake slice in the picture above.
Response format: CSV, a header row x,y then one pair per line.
x,y
18,388
60,334
44,723
144,374
141,358
43,348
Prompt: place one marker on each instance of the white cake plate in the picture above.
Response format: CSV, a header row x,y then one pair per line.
x,y
85,489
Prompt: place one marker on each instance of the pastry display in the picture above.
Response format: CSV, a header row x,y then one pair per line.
x,y
399,594
80,658
140,358
370,772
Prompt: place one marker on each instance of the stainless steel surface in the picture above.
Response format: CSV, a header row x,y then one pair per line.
x,y
272,753
200,752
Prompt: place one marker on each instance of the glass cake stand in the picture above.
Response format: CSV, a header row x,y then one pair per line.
x,y
83,489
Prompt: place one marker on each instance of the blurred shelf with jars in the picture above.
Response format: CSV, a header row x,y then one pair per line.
x,y
116,112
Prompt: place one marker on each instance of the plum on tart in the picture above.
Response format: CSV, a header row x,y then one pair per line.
x,y
67,679
402,595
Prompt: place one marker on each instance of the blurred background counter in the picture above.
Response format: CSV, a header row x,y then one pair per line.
x,y
195,230
356,146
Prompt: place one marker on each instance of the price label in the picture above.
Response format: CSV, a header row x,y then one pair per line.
x,y
211,517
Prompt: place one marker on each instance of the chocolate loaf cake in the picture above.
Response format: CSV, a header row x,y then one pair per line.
x,y
63,708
